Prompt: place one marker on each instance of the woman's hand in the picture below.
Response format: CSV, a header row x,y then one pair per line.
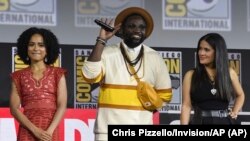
x,y
233,114
42,135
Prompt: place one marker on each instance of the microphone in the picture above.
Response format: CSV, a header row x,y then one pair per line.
x,y
104,25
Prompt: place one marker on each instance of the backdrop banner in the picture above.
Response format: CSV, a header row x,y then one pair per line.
x,y
84,96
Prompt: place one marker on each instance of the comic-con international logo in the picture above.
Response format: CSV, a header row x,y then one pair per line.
x,y
18,64
197,15
86,11
173,60
85,94
28,12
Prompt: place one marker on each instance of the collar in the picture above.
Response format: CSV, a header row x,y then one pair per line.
x,y
135,50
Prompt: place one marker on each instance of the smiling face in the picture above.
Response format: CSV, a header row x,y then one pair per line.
x,y
36,48
134,31
206,54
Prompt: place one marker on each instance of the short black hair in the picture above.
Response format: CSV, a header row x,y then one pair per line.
x,y
50,42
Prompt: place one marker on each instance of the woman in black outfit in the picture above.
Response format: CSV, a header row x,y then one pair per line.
x,y
210,87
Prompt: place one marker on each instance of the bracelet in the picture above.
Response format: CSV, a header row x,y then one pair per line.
x,y
102,41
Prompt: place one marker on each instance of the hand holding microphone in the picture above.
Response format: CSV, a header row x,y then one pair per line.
x,y
104,25
107,27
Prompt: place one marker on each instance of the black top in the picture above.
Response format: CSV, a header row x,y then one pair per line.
x,y
205,100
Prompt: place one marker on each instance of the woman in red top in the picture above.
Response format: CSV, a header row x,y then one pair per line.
x,y
40,88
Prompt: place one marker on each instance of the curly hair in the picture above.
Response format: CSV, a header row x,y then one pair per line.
x,y
50,42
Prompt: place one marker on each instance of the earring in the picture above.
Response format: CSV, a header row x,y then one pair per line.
x,y
27,58
45,60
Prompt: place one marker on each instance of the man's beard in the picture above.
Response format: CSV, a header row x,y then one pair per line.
x,y
132,43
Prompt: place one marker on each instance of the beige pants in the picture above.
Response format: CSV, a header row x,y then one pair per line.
x,y
101,137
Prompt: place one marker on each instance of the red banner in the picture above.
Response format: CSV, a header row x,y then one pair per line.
x,y
77,125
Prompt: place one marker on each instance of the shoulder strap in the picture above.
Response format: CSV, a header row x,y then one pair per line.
x,y
132,69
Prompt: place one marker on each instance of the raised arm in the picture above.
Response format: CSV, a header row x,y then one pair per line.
x,y
101,41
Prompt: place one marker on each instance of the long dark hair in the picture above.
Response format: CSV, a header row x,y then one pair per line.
x,y
50,41
222,80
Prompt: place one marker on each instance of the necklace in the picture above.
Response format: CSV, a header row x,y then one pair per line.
x,y
212,82
131,74
132,63
213,90
136,60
